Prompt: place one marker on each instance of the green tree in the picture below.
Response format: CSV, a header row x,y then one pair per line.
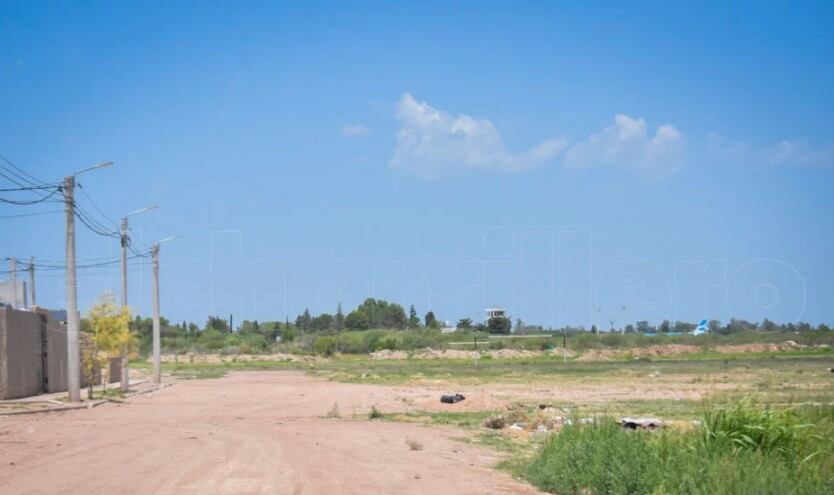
x,y
714,326
499,325
322,322
304,321
664,327
413,319
431,321
218,324
464,324
357,320
382,314
643,326
519,325
111,337
339,319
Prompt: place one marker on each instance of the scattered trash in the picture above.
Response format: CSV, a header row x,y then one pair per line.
x,y
568,422
541,429
451,399
654,374
516,426
586,421
641,423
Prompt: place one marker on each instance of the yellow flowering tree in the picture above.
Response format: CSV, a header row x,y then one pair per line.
x,y
111,337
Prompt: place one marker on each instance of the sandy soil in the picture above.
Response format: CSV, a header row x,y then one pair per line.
x,y
250,432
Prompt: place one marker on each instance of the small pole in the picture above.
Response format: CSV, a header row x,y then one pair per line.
x,y
157,365
13,270
564,346
32,302
125,381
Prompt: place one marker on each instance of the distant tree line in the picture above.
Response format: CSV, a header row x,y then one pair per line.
x,y
372,313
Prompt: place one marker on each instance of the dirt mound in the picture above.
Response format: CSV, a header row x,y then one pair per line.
x,y
512,353
638,352
388,354
664,350
788,345
598,355
446,354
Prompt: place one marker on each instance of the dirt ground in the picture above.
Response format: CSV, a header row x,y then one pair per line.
x,y
249,432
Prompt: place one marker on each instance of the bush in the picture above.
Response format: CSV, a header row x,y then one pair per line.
x,y
211,339
325,346
600,458
375,413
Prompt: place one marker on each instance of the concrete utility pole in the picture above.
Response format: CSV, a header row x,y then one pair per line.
x,y
157,365
157,361
13,270
32,302
73,323
73,350
125,240
125,381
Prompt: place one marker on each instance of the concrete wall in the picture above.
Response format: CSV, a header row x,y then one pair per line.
x,y
21,366
33,354
55,352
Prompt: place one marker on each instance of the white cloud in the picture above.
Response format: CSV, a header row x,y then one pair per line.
x,y
431,142
800,153
719,147
627,143
789,153
355,130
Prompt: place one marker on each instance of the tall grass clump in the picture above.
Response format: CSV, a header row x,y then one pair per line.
x,y
747,449
596,458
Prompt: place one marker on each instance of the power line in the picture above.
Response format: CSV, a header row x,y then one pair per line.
x,y
50,212
92,224
81,187
48,267
32,202
27,188
24,175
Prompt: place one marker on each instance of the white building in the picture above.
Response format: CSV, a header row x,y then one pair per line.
x,y
495,313
8,296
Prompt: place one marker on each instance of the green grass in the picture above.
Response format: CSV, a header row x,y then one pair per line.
x,y
547,368
748,449
216,370
459,419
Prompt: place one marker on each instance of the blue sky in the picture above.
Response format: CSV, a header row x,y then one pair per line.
x,y
577,164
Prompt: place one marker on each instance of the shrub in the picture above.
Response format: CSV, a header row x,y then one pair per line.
x,y
600,458
375,413
324,346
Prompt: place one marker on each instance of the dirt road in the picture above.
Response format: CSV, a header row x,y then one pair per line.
x,y
250,432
